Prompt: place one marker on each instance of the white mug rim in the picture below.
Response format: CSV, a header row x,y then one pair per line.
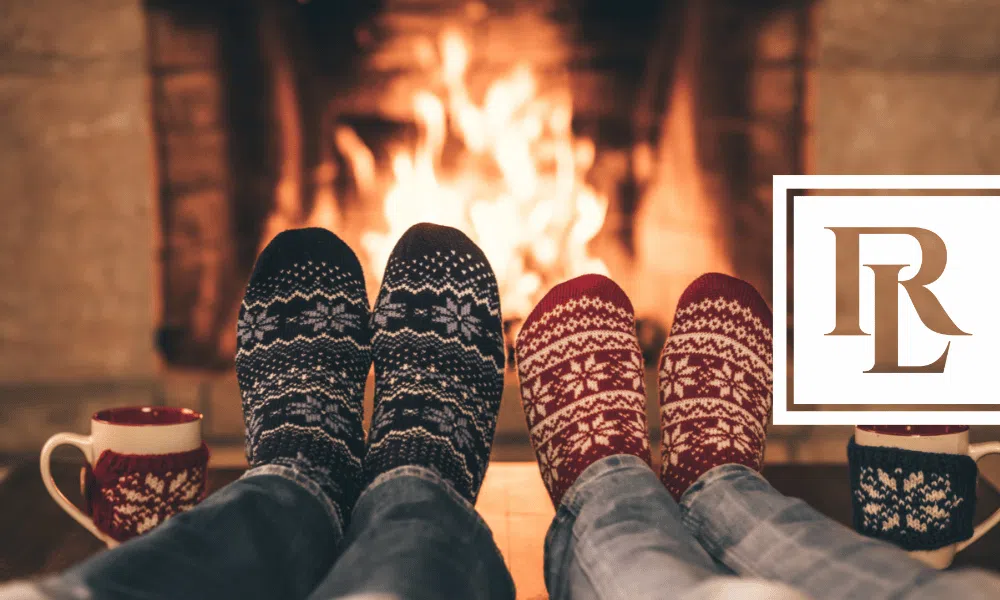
x,y
187,416
964,430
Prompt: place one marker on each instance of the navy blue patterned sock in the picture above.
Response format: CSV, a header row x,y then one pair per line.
x,y
437,344
302,361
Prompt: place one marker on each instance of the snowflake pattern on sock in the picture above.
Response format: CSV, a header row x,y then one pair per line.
x,y
714,381
302,360
581,375
438,350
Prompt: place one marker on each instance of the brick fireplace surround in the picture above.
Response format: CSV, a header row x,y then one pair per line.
x,y
896,88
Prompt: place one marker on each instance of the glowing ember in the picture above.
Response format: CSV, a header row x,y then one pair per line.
x,y
519,189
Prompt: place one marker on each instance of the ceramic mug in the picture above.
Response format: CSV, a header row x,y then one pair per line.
x,y
938,439
146,462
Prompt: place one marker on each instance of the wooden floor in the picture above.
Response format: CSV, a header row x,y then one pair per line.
x,y
517,508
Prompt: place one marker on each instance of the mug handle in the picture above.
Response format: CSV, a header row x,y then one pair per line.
x,y
977,451
84,444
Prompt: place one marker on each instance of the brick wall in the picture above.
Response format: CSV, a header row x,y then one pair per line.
x,y
77,304
188,84
78,203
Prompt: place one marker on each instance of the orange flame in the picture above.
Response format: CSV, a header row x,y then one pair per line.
x,y
518,187
519,192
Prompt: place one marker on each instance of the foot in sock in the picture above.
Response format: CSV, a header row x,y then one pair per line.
x,y
581,373
303,354
438,349
715,381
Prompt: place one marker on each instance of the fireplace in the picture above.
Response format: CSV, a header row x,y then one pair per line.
x,y
564,138
163,142
146,144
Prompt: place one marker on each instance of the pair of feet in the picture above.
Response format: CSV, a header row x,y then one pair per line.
x,y
307,339
583,389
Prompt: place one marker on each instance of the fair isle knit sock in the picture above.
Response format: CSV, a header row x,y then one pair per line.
x,y
581,373
715,381
302,360
438,348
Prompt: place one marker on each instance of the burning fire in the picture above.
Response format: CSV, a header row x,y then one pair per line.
x,y
505,167
518,189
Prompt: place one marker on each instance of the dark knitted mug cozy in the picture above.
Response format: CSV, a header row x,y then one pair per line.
x,y
916,500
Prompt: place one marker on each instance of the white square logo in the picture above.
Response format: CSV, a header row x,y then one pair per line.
x,y
895,300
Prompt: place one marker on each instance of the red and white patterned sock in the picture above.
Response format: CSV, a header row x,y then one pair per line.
x,y
581,374
715,381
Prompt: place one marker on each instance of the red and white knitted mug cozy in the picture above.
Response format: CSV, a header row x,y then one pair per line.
x,y
129,494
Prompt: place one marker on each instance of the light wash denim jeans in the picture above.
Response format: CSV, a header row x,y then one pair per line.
x,y
616,534
756,531
272,535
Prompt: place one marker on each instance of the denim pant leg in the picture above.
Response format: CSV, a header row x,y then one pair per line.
x,y
756,531
413,537
618,534
271,534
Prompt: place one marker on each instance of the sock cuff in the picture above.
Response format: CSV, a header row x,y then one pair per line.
x,y
332,463
916,500
429,452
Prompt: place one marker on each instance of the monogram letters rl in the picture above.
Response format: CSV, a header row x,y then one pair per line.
x,y
928,307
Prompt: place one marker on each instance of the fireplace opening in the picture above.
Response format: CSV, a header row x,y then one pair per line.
x,y
636,140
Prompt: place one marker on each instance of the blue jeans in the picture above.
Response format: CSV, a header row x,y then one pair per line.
x,y
731,536
744,523
616,534
271,535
